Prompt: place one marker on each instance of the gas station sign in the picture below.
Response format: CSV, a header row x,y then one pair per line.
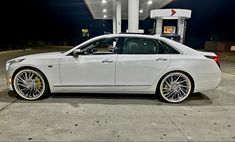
x,y
171,13
169,30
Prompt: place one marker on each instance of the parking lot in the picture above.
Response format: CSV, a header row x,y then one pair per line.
x,y
205,116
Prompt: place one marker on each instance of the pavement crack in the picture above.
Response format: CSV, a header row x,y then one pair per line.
x,y
8,105
168,117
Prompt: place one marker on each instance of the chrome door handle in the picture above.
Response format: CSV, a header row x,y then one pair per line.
x,y
107,61
161,59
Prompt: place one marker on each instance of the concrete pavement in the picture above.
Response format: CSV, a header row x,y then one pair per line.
x,y
206,116
228,67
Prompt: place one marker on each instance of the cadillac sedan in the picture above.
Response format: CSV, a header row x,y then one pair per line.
x,y
123,63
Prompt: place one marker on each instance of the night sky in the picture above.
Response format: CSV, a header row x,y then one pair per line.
x,y
57,20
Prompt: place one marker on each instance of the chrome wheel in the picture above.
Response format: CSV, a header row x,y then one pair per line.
x,y
29,84
175,87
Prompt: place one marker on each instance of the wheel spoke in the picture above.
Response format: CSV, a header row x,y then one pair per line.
x,y
182,91
25,76
24,89
168,95
35,90
184,86
168,84
166,88
181,94
20,78
182,81
21,82
22,85
177,78
172,80
176,95
31,75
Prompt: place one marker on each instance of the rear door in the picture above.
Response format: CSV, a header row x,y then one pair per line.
x,y
140,62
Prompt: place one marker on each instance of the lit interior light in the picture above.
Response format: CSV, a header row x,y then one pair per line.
x,y
104,1
105,16
150,2
141,10
104,10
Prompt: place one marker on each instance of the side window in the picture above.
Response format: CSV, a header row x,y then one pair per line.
x,y
102,46
168,48
142,46
148,46
131,46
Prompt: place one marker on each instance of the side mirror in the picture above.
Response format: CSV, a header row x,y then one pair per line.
x,y
77,52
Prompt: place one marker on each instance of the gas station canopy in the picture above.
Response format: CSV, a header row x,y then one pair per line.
x,y
132,10
103,9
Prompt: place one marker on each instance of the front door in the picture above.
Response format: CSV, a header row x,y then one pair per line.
x,y
95,67
88,70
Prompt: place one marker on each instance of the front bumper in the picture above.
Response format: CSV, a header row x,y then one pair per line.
x,y
9,74
9,82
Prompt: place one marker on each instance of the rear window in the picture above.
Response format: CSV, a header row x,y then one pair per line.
x,y
168,48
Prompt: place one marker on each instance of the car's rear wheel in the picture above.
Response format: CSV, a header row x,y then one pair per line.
x,y
175,87
30,84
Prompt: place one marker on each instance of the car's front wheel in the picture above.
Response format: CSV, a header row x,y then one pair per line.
x,y
175,87
30,84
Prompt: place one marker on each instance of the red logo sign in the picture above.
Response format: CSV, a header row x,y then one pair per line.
x,y
173,12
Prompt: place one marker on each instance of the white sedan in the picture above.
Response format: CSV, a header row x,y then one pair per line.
x,y
123,63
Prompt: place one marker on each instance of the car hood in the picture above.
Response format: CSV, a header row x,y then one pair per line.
x,y
40,55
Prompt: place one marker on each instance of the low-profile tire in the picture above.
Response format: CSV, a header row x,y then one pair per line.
x,y
174,87
30,84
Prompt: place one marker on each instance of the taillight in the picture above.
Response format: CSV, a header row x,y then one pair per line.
x,y
215,58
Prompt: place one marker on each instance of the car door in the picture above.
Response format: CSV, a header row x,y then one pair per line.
x,y
141,62
95,67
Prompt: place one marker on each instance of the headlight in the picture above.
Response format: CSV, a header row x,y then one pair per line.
x,y
11,62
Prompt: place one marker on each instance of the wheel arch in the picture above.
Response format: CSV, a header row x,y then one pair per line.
x,y
28,67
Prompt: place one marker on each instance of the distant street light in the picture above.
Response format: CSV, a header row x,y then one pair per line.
x,y
104,10
150,2
104,1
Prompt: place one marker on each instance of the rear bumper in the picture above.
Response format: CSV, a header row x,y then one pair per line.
x,y
207,85
208,82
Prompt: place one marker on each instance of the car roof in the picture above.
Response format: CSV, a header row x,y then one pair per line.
x,y
129,35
